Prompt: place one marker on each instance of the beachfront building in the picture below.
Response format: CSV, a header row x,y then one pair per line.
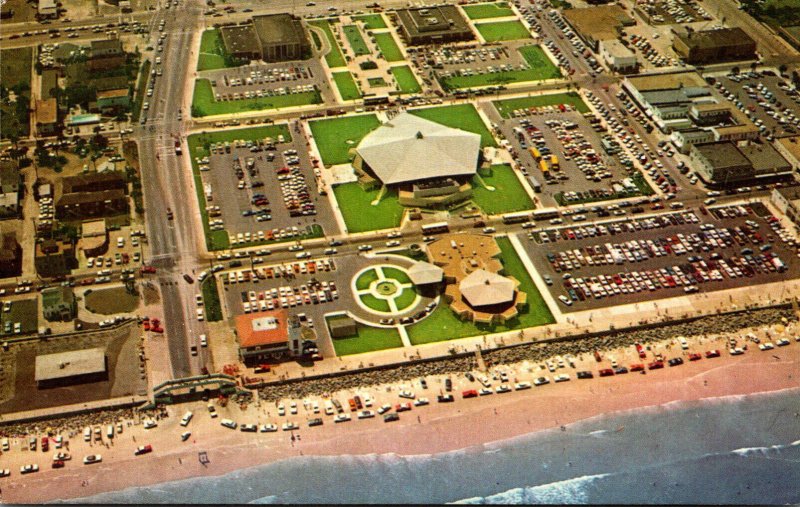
x,y
476,287
269,337
70,368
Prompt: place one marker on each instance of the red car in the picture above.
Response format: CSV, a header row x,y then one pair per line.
x,y
263,368
640,350
470,393
655,365
606,372
402,407
148,269
45,444
712,353
146,324
637,367
58,464
694,356
143,449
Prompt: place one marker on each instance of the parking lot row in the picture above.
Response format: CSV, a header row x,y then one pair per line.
x,y
281,271
314,292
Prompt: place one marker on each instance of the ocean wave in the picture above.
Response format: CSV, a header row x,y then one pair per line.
x,y
569,491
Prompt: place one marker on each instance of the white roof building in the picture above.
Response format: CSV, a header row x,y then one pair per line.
x,y
484,288
410,148
423,273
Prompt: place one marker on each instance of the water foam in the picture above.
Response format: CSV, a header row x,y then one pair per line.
x,y
569,491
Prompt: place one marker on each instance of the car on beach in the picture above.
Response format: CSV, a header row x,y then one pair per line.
x,y
620,370
406,394
149,424
736,351
445,398
366,414
281,410
712,353
402,407
485,392
655,365
519,386
58,464
694,356
561,377
392,416
228,423
502,388
249,428
187,417
766,346
419,402
212,411
288,426
317,421
29,469
469,393
541,381
782,342
341,418
185,436
637,367
269,428
92,459
606,372
675,361
470,376
143,449
384,408
423,383
584,374
5,472
328,408
61,456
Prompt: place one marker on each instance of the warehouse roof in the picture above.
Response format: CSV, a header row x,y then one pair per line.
x,y
710,39
70,364
410,148
722,154
240,39
598,23
667,81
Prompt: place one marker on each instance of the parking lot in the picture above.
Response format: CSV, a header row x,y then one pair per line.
x,y
766,99
264,80
673,11
264,187
662,256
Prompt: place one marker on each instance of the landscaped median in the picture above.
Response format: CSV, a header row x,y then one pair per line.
x,y
360,215
503,31
335,137
406,82
334,57
347,86
204,103
389,48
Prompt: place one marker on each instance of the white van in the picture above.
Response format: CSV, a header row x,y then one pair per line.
x,y
186,418
110,431
87,434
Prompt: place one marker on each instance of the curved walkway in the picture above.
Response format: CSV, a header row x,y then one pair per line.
x,y
385,288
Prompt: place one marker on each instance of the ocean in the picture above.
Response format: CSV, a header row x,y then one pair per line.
x,y
732,450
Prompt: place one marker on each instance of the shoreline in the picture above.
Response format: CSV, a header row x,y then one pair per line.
x,y
440,427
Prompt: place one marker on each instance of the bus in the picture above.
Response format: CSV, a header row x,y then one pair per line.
x,y
543,167
535,152
435,228
516,218
554,163
545,213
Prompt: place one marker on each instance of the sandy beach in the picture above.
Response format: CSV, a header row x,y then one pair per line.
x,y
424,430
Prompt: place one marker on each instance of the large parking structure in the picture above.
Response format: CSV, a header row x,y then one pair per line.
x,y
442,324
335,137
204,103
507,107
503,31
488,10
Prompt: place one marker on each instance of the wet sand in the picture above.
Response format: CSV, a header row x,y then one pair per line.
x,y
441,427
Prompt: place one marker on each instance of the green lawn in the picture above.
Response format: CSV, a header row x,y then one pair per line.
x,y
405,299
360,215
406,81
198,147
334,58
483,11
367,339
15,70
377,82
346,85
212,52
397,274
540,68
141,88
507,107
379,305
335,137
365,279
355,40
508,196
503,30
461,116
211,303
443,324
372,21
204,103
389,48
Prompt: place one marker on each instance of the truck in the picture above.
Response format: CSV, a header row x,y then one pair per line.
x,y
779,265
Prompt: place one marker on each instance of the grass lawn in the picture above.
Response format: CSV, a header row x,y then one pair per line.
x,y
367,339
111,301
204,103
405,299
483,11
538,60
508,196
377,82
334,58
507,107
360,215
389,48
380,305
443,324
397,274
346,85
365,279
141,86
16,70
503,30
335,137
211,304
406,81
212,51
461,116
198,147
355,40
24,311
372,21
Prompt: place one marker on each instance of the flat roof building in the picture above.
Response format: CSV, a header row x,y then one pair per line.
x,y
47,9
58,304
713,46
724,164
73,367
618,56
271,38
594,24
433,25
46,116
267,336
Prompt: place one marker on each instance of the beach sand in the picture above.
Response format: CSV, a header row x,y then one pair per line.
x,y
440,427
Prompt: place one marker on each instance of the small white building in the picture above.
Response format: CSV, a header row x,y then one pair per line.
x,y
618,57
47,9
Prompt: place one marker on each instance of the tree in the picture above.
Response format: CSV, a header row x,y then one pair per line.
x,y
80,94
735,69
783,68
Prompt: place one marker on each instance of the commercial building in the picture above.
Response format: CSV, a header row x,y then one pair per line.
x,y
46,116
268,337
787,200
433,25
713,46
10,255
724,164
47,9
789,147
10,179
54,258
94,238
58,304
618,57
69,368
599,23
93,182
82,205
110,100
271,38
425,273
105,47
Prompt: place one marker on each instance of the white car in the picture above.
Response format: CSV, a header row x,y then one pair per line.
x,y
564,299
406,394
28,469
149,424
269,428
288,426
562,377
421,402
341,418
366,414
92,458
61,456
519,386
5,472
228,423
